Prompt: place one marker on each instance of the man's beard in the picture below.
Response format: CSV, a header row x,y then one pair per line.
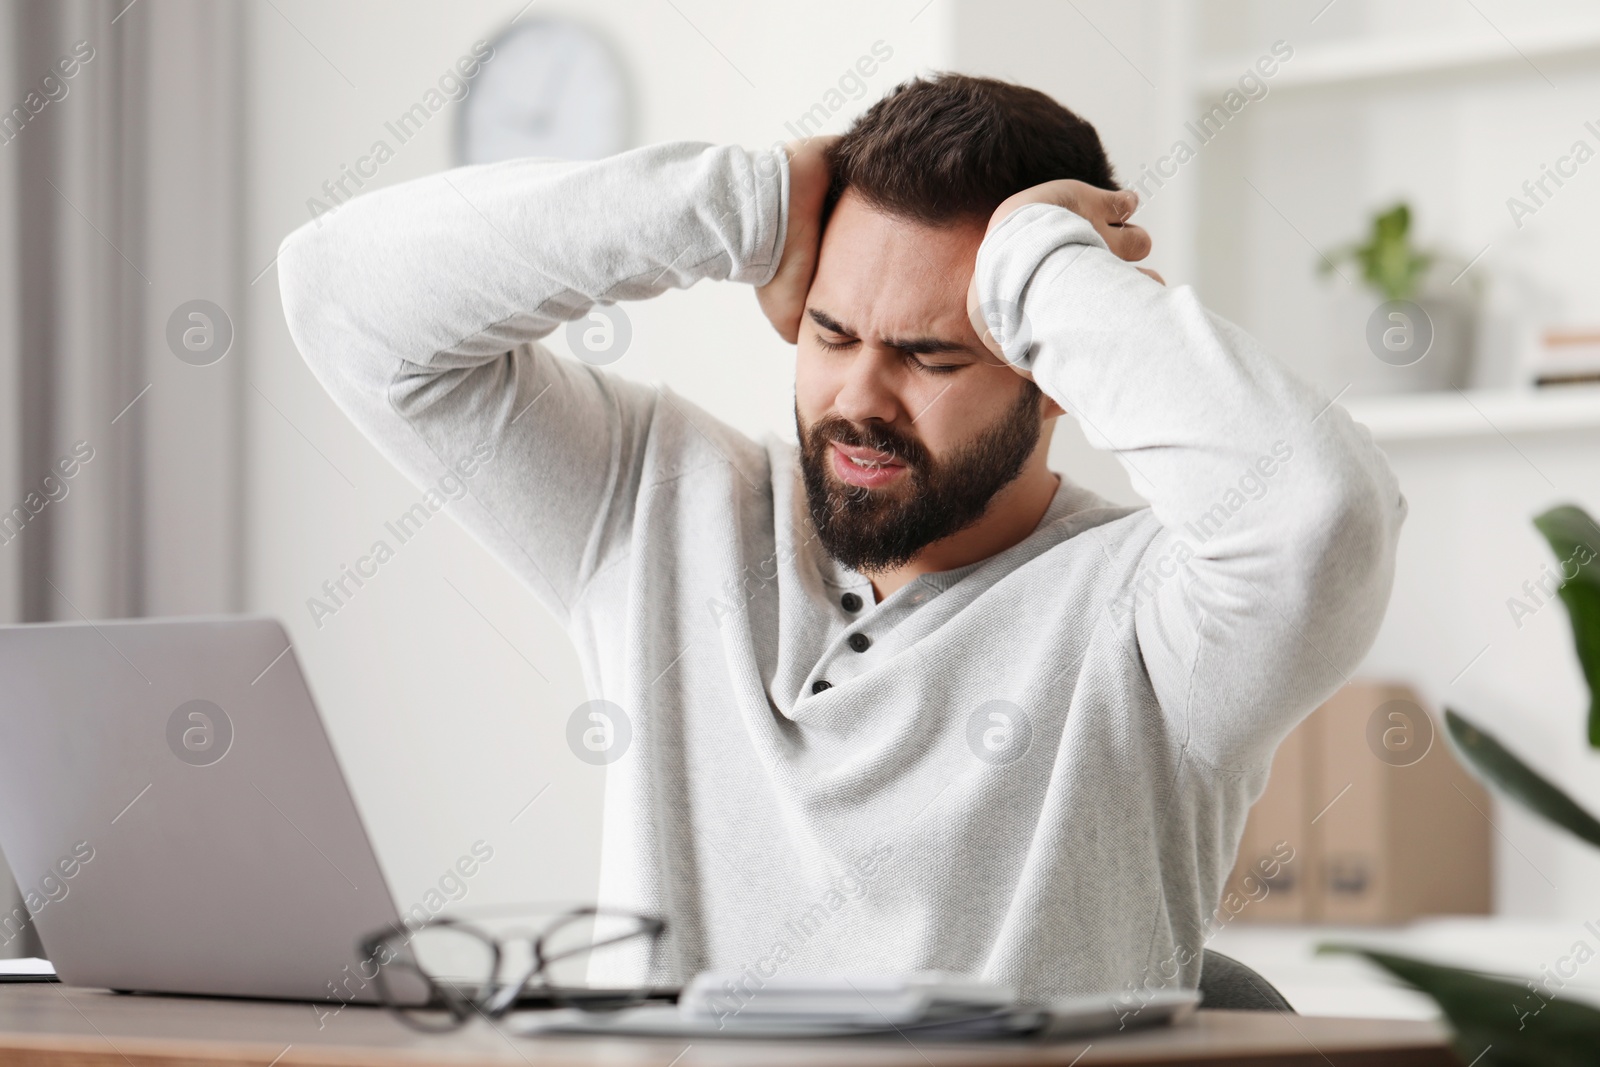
x,y
876,530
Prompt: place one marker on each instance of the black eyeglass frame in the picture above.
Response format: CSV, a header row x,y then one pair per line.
x,y
496,1000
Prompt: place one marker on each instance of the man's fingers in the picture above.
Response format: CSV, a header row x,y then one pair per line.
x,y
1138,240
1128,241
1114,209
1124,204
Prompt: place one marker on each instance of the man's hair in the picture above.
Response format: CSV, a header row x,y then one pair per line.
x,y
952,147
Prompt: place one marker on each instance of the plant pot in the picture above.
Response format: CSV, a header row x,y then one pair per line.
x,y
1404,346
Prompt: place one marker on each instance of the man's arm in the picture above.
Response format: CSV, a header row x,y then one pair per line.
x,y
1280,516
419,306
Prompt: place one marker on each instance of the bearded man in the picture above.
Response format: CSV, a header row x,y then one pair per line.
x,y
900,697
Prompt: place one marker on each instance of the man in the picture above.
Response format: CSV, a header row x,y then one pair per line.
x,y
901,697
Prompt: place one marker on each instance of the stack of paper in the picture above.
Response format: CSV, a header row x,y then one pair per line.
x,y
923,1005
748,1003
27,969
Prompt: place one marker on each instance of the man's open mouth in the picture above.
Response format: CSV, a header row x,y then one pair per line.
x,y
865,467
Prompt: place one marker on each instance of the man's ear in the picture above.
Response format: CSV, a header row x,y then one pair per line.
x,y
1048,408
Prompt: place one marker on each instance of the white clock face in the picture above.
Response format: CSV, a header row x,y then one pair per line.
x,y
551,88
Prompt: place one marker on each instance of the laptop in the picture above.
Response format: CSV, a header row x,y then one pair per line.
x,y
174,814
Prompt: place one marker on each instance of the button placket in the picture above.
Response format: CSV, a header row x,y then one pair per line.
x,y
858,641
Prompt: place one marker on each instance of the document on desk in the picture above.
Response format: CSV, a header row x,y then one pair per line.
x,y
27,969
932,1006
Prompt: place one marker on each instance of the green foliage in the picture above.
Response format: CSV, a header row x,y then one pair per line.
x,y
1575,539
1517,780
1388,261
1498,1023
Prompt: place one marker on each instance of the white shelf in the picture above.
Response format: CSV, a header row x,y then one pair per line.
x,y
1477,413
1362,63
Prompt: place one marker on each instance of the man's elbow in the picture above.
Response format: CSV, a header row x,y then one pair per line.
x,y
1352,547
1364,512
303,288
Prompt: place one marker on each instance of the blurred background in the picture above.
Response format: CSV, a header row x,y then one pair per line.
x,y
1398,199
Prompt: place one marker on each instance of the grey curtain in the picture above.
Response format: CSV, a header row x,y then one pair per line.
x,y
120,185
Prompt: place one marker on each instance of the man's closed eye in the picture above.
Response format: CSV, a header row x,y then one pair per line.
x,y
910,357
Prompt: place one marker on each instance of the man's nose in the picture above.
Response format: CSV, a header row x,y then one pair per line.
x,y
868,390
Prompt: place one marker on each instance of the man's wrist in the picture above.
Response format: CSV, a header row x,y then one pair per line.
x,y
773,165
1016,202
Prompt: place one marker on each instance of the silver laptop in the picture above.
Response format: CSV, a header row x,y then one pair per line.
x,y
174,814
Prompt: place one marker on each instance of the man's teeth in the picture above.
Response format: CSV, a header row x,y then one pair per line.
x,y
866,464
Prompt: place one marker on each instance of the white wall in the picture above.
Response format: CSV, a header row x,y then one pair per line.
x,y
446,730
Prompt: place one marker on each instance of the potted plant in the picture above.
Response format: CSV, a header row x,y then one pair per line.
x,y
1406,331
1500,1022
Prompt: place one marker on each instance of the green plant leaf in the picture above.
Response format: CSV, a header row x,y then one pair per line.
x,y
1389,262
1519,781
1575,539
1392,265
1497,1022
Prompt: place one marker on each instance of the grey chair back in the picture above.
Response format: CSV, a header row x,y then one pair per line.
x,y
1227,983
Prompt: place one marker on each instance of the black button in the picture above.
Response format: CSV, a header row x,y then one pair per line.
x,y
850,602
860,642
819,685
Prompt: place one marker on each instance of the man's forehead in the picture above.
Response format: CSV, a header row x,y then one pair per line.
x,y
872,237
893,276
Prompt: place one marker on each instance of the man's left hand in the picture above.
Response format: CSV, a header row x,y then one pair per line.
x,y
1108,211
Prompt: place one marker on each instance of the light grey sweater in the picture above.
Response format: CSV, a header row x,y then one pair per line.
x,y
1039,769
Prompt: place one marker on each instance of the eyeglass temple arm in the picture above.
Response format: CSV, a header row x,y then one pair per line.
x,y
651,928
506,995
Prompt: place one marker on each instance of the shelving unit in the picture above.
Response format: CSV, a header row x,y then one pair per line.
x,y
1362,63
1359,88
1477,413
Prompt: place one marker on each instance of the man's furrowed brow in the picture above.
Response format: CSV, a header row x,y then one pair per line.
x,y
917,346
829,323
929,346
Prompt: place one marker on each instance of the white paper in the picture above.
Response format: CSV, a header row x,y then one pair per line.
x,y
30,965
1065,1018
665,1020
844,1000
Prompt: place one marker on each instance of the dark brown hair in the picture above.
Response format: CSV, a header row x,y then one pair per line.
x,y
953,146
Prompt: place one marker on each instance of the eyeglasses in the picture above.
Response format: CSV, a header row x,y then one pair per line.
x,y
436,975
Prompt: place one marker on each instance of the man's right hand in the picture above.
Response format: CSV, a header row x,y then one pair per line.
x,y
783,299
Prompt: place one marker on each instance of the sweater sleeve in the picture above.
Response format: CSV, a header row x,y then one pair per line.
x,y
1279,517
419,308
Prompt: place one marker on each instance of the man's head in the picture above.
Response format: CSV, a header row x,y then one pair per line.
x,y
908,426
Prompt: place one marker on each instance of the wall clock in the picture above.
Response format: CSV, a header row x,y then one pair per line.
x,y
551,88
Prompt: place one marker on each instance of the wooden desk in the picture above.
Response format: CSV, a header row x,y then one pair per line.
x,y
59,1026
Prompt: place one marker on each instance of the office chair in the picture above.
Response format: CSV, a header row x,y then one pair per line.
x,y
1227,983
